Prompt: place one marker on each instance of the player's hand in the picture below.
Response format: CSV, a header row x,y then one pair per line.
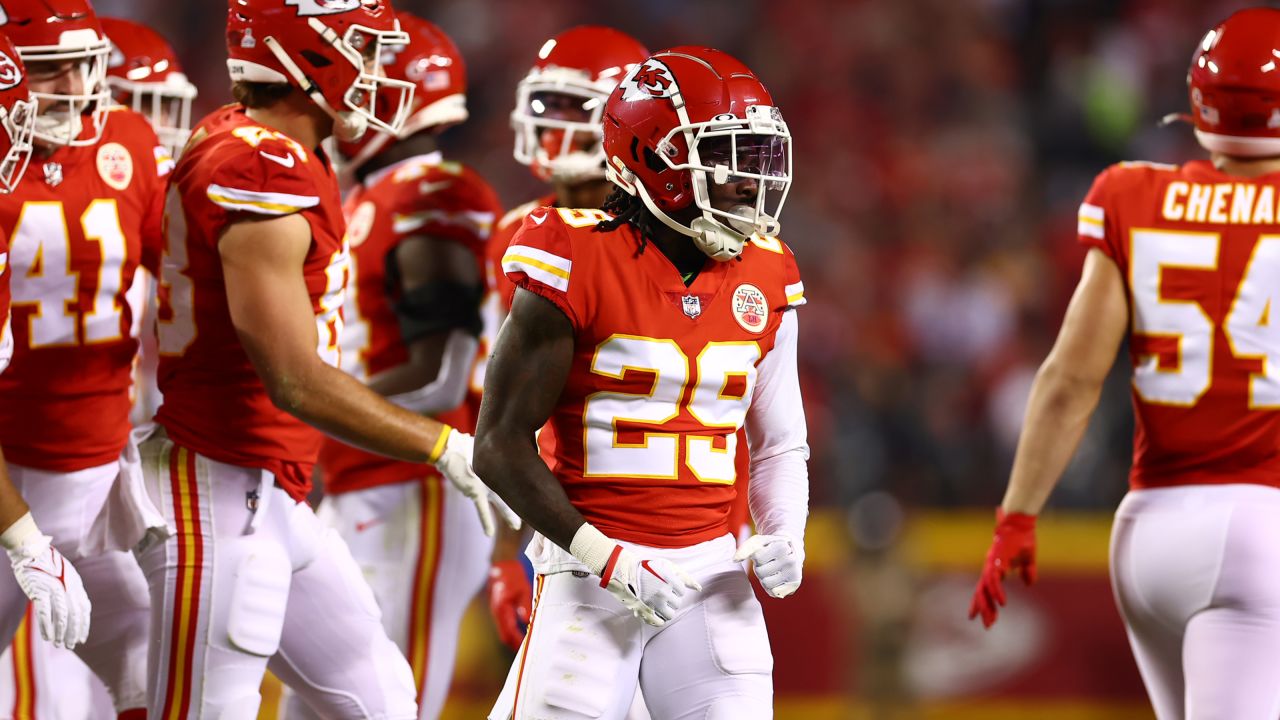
x,y
510,601
1013,548
54,587
778,562
455,464
653,590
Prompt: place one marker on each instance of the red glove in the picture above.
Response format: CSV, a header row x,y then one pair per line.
x,y
510,598
1013,548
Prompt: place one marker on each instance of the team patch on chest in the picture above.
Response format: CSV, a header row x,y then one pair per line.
x,y
115,165
750,308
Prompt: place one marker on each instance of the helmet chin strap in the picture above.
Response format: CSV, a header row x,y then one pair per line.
x,y
715,239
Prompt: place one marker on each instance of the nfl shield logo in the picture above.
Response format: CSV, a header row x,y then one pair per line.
x,y
692,305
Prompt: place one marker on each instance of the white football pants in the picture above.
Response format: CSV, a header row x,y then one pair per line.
x,y
41,682
1196,574
585,654
424,553
248,580
64,505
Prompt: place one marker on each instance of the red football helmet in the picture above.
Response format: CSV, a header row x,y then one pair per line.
x,y
143,73
330,49
432,63
17,117
691,116
559,103
1234,83
61,31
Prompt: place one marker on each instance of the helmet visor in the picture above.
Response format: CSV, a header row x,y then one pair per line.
x,y
753,156
65,107
167,105
558,131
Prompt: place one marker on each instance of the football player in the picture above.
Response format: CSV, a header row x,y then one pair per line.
x,y
61,607
79,225
1184,261
558,136
417,227
144,74
249,326
644,337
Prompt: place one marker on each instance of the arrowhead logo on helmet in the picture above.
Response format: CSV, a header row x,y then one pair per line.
x,y
310,8
648,81
10,75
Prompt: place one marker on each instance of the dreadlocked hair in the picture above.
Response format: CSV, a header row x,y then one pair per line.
x,y
628,209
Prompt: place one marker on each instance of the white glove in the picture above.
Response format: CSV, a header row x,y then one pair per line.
x,y
455,464
778,562
653,590
52,584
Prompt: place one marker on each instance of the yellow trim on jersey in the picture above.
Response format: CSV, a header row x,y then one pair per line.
x,y
525,260
273,207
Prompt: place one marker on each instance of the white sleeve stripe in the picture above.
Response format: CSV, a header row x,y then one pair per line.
x,y
536,270
1093,212
480,223
265,200
555,261
1092,230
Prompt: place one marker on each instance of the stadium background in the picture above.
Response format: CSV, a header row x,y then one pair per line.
x,y
942,148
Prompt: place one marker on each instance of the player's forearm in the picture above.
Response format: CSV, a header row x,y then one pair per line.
x,y
1058,413
510,465
339,405
434,379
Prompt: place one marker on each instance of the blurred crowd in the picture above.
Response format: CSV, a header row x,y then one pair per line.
x,y
942,149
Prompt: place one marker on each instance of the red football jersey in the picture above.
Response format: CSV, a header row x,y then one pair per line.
x,y
214,401
425,197
662,375
1201,262
79,224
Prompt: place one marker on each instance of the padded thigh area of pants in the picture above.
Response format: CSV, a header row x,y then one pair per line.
x,y
584,658
735,626
259,600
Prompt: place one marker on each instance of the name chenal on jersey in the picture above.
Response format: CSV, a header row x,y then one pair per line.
x,y
1219,203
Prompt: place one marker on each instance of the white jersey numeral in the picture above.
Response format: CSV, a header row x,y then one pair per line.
x,y
329,320
1249,327
41,249
724,377
1156,315
1253,327
357,332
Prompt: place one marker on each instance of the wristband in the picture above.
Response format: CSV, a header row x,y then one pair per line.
x,y
17,534
594,549
441,443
